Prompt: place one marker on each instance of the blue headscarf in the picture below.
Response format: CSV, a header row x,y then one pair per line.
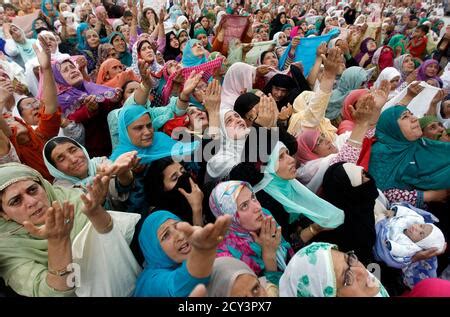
x,y
82,44
158,267
398,163
189,59
162,145
45,11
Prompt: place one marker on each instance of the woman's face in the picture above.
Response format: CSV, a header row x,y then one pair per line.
x,y
173,67
51,41
185,25
24,201
433,130
70,159
112,53
324,147
203,38
445,109
270,59
140,131
64,7
174,41
304,26
278,93
247,285
198,120
146,53
171,174
394,82
48,5
286,168
39,24
249,210
125,30
114,71
173,242
283,19
235,125
352,278
92,39
119,44
198,50
371,46
16,34
129,89
295,12
410,126
282,39
183,37
150,15
267,17
92,20
287,31
432,70
200,91
30,110
205,23
408,65
71,74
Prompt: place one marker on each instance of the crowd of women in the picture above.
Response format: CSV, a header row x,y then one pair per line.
x,y
146,150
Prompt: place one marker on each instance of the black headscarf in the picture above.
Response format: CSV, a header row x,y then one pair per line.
x,y
283,81
172,200
170,53
276,25
245,102
357,233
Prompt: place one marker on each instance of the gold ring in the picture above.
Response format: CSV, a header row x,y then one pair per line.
x,y
219,238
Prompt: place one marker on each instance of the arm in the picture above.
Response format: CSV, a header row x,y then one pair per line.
x,y
312,77
212,106
7,151
269,239
439,97
82,114
188,88
195,199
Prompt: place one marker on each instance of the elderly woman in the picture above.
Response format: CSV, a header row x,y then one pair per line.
x,y
17,45
88,43
113,74
406,166
51,232
405,65
254,236
178,256
320,270
233,278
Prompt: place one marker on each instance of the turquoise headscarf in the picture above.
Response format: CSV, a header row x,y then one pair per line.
x,y
162,145
202,31
189,59
58,175
45,11
82,44
296,198
158,267
398,40
398,163
125,57
352,78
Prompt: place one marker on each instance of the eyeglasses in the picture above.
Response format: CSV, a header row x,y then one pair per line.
x,y
31,105
352,260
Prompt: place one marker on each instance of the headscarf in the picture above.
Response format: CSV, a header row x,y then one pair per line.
x,y
383,57
17,246
297,199
343,187
25,49
119,80
155,67
171,53
398,64
70,98
347,123
364,50
157,278
430,287
421,71
82,27
103,52
189,59
306,142
45,11
162,145
202,31
402,164
58,175
229,154
397,40
283,81
276,25
124,57
352,78
389,73
276,38
245,102
238,241
310,273
239,76
225,272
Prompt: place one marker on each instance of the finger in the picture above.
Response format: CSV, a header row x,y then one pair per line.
x,y
183,192
32,229
186,228
59,215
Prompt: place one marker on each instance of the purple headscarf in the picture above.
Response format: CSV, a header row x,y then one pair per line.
x,y
363,50
71,98
421,71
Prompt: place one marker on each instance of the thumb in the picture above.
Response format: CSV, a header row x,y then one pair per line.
x,y
183,192
32,229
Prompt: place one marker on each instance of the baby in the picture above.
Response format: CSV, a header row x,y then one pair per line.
x,y
408,233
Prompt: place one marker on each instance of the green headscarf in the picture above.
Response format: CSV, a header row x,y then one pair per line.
x,y
398,163
397,40
427,120
296,198
24,258
202,31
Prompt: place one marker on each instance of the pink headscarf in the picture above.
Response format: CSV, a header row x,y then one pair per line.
x,y
306,142
239,76
430,287
347,124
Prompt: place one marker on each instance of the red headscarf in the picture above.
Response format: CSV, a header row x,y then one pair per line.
x,y
347,124
306,142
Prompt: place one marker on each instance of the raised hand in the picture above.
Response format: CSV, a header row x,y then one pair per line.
x,y
364,109
412,77
192,82
123,164
381,94
44,55
81,61
414,89
321,49
440,96
58,222
263,70
295,42
212,99
286,112
195,198
333,62
269,236
96,195
208,237
146,73
91,103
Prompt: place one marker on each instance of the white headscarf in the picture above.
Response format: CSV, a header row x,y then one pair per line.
x,y
239,76
388,74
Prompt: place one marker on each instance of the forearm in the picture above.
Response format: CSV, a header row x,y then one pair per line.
x,y
432,110
197,216
101,220
312,77
183,101
358,132
200,262
327,82
81,115
59,257
141,95
49,95
5,127
270,261
125,179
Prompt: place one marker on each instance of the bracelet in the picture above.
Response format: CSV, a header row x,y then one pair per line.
x,y
109,227
59,272
312,230
354,141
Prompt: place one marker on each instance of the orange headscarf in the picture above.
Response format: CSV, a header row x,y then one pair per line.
x,y
347,124
119,80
